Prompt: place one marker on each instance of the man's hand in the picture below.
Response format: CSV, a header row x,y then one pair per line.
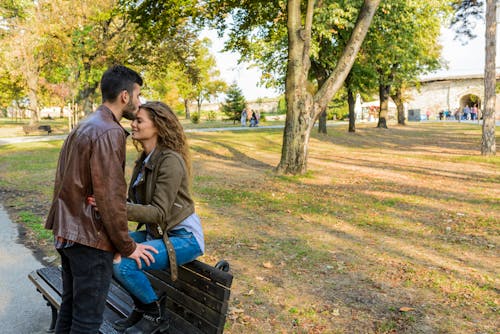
x,y
91,201
143,252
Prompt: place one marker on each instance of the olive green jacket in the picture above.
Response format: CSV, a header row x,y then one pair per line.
x,y
164,195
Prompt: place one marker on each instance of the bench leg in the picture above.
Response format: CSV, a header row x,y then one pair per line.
x,y
54,318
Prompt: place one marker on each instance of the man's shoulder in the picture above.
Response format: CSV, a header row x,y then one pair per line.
x,y
99,123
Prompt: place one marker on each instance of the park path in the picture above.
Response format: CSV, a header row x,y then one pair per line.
x,y
22,308
30,139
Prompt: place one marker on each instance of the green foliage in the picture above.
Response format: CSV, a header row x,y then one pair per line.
x,y
282,105
211,115
195,118
403,41
235,103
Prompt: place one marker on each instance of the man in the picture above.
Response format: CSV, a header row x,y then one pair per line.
x,y
92,162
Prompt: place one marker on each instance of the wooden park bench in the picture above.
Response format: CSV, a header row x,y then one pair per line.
x,y
196,303
37,128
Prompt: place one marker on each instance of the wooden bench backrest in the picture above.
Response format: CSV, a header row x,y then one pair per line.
x,y
199,296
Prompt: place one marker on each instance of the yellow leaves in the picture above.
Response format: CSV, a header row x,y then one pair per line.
x,y
406,309
267,265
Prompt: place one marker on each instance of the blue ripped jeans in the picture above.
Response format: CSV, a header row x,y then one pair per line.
x,y
135,281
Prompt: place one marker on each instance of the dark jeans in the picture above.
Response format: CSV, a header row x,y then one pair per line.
x,y
86,275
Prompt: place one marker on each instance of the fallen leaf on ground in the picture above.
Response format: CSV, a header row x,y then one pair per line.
x,y
406,309
267,265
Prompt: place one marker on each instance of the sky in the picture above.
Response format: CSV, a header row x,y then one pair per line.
x,y
461,59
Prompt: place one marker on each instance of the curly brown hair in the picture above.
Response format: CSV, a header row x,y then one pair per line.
x,y
170,131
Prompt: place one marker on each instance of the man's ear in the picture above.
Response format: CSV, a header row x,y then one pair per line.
x,y
124,96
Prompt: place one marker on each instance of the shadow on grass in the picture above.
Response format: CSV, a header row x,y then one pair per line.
x,y
410,137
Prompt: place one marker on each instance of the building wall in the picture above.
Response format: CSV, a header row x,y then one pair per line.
x,y
447,94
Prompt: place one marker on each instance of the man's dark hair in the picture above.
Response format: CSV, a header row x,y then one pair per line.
x,y
117,79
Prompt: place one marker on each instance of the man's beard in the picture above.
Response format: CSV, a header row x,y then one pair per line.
x,y
130,111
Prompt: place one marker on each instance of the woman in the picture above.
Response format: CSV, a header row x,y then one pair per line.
x,y
159,198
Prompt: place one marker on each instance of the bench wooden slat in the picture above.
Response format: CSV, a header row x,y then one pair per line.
x,y
203,269
53,296
193,279
119,300
179,325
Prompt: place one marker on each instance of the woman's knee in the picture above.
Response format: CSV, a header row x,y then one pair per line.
x,y
124,267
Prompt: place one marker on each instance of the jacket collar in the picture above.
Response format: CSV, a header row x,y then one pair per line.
x,y
152,160
107,113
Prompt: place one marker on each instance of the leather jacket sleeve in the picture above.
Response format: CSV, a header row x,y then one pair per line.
x,y
110,189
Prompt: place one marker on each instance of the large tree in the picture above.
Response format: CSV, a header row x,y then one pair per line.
x,y
402,44
488,143
467,13
60,43
259,20
302,108
235,103
21,47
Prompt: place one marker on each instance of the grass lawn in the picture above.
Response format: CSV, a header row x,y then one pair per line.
x,y
390,231
13,128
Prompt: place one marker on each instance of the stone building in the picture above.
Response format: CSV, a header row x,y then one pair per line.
x,y
439,94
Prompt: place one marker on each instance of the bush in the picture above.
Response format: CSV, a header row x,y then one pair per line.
x,y
211,116
195,118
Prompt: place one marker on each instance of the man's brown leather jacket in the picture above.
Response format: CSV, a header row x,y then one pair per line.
x,y
92,162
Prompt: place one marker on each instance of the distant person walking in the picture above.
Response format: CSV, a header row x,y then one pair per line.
x,y
253,120
92,161
473,113
244,116
466,113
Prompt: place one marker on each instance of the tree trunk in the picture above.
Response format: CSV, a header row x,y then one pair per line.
x,y
35,115
352,116
384,105
302,109
488,142
32,83
298,100
398,100
86,97
186,108
323,115
198,107
322,123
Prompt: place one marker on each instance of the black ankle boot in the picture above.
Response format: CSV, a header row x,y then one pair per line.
x,y
151,322
131,320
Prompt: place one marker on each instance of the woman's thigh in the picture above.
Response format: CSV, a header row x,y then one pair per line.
x,y
186,250
138,236
185,245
